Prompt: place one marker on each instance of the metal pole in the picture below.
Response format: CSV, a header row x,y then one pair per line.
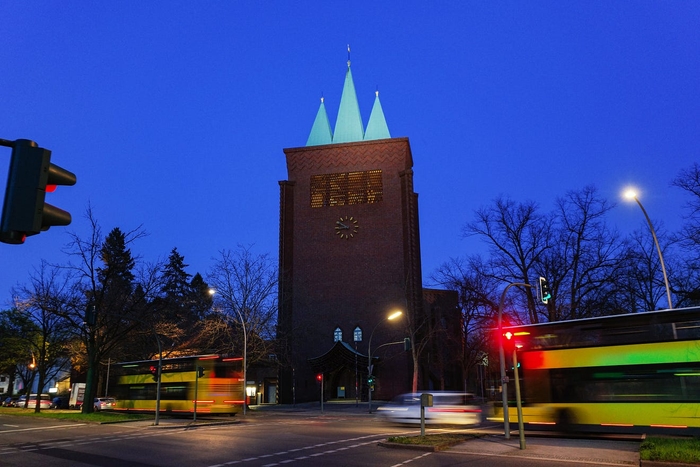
x,y
521,427
160,370
369,371
245,363
109,363
196,388
504,380
357,398
658,249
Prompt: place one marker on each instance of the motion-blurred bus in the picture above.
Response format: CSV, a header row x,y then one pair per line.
x,y
632,373
219,385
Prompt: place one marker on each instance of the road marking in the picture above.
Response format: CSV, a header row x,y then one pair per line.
x,y
43,428
411,460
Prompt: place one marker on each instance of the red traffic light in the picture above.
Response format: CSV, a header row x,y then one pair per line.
x,y
319,377
508,341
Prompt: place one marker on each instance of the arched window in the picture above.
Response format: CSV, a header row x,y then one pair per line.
x,y
338,335
357,334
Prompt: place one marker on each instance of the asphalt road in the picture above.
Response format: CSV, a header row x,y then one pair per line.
x,y
296,438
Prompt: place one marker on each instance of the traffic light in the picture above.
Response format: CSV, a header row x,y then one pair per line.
x,y
545,292
90,315
30,176
154,372
319,377
370,382
406,344
508,342
200,372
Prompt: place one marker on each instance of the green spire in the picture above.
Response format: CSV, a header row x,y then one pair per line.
x,y
376,127
321,131
348,125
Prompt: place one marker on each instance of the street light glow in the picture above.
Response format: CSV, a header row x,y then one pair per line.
x,y
394,315
630,194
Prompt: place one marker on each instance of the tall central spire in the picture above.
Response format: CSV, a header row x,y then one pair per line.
x,y
348,124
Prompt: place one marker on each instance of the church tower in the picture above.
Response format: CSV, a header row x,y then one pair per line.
x,y
349,256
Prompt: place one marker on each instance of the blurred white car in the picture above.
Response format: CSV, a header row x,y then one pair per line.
x,y
105,403
449,408
44,401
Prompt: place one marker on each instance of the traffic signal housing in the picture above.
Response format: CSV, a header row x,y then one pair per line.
x,y
508,340
545,292
30,176
319,377
200,371
154,372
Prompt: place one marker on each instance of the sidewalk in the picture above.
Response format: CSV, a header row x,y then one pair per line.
x,y
593,451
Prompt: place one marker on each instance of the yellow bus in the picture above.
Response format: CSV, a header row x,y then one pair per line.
x,y
219,385
631,373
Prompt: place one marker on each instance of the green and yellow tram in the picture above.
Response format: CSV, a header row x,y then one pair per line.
x,y
636,372
217,382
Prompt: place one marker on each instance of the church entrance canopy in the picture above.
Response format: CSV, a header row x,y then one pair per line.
x,y
340,356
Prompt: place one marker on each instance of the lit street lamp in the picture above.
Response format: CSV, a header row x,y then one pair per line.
x,y
245,356
391,317
631,194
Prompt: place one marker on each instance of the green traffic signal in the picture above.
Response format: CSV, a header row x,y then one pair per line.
x,y
545,292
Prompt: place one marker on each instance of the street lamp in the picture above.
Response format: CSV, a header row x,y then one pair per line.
x,y
245,355
391,317
631,194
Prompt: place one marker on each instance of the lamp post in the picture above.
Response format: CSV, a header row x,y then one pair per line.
x,y
245,355
357,337
631,194
504,382
391,317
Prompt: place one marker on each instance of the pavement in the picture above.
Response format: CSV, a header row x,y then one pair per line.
x,y
615,452
603,449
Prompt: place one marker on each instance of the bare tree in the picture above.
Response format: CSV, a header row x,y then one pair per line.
x,y
476,293
643,274
45,304
687,280
518,236
113,297
585,260
245,297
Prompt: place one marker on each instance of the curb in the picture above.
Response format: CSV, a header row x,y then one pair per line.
x,y
414,447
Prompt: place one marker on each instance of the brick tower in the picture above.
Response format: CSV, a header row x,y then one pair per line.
x,y
349,256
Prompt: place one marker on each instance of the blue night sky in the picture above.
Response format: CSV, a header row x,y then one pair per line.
x,y
173,115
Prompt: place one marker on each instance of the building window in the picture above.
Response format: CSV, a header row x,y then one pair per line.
x,y
341,189
337,335
357,334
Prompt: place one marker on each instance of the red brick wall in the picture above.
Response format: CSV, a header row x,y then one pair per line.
x,y
328,281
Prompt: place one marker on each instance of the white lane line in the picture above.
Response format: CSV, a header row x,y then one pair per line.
x,y
43,428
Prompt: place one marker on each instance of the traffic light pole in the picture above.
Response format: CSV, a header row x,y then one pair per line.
x,y
504,379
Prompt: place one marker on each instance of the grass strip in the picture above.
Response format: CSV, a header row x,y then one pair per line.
x,y
662,449
76,415
439,441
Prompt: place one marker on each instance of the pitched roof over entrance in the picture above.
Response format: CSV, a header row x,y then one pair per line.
x,y
348,124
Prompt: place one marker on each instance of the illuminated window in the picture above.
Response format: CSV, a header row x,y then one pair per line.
x,y
341,189
357,335
338,335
